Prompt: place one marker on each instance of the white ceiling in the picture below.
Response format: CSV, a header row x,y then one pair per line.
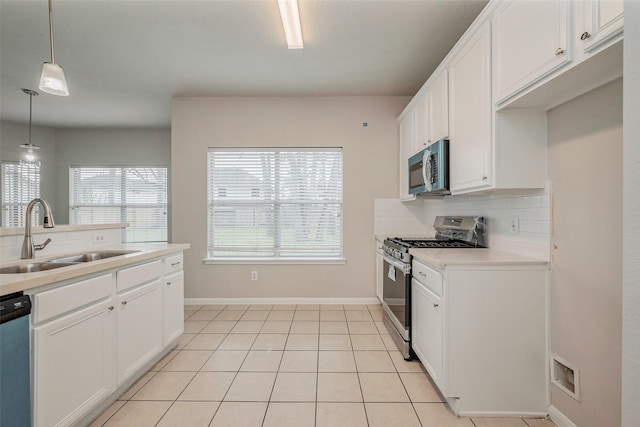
x,y
124,60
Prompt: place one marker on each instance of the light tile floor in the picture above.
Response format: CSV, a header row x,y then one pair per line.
x,y
288,365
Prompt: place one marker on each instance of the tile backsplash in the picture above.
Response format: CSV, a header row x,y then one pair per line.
x,y
62,241
532,211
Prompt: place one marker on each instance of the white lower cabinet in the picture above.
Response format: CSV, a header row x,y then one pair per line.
x,y
481,333
379,270
74,364
426,311
139,327
91,336
173,307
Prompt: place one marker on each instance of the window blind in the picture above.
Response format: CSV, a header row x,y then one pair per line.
x,y
20,185
275,203
137,195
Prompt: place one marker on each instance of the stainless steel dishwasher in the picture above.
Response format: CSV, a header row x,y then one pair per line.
x,y
15,379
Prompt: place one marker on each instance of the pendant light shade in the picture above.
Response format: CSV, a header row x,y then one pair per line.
x,y
52,79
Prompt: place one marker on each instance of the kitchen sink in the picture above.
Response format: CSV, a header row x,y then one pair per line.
x,y
34,267
62,262
90,256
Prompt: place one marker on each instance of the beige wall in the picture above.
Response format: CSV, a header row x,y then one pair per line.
x,y
107,147
585,169
370,157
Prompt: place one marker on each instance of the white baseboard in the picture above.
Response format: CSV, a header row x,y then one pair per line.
x,y
560,419
294,300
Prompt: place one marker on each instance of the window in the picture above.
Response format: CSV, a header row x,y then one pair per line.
x,y
105,195
275,203
20,185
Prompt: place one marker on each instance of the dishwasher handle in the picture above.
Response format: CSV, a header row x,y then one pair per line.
x,y
14,306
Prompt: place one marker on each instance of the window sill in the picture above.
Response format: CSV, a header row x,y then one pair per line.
x,y
274,261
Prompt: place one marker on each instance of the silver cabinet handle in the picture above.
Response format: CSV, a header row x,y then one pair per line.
x,y
111,308
175,264
435,305
585,35
559,51
422,274
124,303
169,283
484,177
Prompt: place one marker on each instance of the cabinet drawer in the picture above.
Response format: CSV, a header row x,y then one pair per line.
x,y
429,277
139,274
57,301
173,263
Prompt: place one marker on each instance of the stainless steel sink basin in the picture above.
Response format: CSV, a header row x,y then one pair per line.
x,y
62,262
33,267
91,256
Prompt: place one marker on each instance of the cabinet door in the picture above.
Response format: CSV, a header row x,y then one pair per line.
x,y
139,327
439,109
470,148
529,42
422,122
74,364
173,307
602,23
427,329
407,141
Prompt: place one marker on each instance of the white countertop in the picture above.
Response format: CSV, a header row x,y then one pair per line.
x,y
441,258
24,281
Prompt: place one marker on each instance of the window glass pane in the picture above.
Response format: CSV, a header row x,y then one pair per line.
x,y
138,196
275,203
20,185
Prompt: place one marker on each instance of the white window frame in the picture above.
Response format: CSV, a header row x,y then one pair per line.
x,y
75,202
274,259
14,193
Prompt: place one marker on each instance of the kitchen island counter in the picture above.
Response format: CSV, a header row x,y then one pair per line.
x,y
17,282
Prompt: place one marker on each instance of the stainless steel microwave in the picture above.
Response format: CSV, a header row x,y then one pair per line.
x,y
429,170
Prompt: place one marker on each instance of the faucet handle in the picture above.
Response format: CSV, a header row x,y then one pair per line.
x,y
42,246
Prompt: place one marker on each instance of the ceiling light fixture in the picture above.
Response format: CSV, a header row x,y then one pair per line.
x,y
29,156
52,79
291,23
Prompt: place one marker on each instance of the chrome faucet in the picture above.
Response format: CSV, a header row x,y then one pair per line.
x,y
28,248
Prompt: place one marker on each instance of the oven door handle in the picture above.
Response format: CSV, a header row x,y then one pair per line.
x,y
404,267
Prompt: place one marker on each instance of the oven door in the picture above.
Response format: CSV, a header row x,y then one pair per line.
x,y
396,291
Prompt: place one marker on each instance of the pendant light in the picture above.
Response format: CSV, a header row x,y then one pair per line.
x,y
29,156
52,79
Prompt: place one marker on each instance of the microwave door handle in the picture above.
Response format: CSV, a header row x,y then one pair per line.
x,y
426,170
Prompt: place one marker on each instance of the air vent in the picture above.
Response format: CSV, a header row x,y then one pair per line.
x,y
565,376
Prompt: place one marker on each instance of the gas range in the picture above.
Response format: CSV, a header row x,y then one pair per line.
x,y
458,232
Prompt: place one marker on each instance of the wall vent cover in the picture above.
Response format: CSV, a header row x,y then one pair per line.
x,y
565,376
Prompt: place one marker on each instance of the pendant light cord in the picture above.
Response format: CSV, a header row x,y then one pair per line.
x,y
53,58
30,111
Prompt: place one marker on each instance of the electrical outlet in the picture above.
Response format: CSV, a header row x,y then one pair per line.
x,y
515,225
98,237
254,275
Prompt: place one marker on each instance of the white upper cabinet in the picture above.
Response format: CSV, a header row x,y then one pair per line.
x,y
407,129
470,148
602,22
422,122
530,40
438,126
